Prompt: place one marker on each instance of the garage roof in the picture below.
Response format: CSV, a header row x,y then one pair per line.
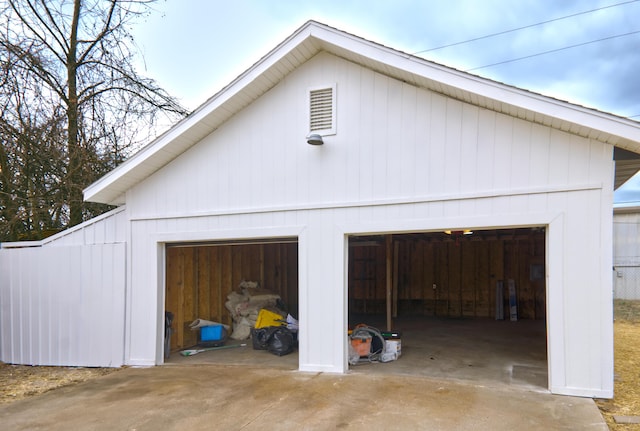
x,y
314,37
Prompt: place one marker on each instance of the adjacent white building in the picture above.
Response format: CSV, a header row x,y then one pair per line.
x,y
408,146
626,252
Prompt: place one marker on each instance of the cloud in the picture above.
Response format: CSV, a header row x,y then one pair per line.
x,y
194,48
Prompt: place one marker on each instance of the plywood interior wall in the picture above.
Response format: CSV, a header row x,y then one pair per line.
x,y
435,274
199,278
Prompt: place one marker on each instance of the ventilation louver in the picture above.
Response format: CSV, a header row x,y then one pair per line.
x,y
321,110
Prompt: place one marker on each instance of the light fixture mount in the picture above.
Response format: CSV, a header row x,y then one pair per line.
x,y
314,139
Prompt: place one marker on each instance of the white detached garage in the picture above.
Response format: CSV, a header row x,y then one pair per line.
x,y
409,147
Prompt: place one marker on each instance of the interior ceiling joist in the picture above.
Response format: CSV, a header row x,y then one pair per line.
x,y
477,235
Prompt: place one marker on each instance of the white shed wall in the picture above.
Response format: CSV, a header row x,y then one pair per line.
x,y
626,239
403,159
69,312
62,299
626,255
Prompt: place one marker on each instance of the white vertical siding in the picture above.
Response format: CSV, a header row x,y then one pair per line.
x,y
62,299
578,327
601,301
626,255
70,311
403,159
626,240
144,297
393,141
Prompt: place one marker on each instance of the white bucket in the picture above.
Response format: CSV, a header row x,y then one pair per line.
x,y
393,346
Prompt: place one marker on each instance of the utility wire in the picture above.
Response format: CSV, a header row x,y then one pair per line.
x,y
535,25
525,27
553,50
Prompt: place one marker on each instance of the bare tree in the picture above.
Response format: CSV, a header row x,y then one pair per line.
x,y
32,156
76,57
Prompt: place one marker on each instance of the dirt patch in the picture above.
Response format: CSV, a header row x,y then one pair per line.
x,y
626,401
18,382
627,311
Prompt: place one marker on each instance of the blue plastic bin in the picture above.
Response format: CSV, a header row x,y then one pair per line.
x,y
212,333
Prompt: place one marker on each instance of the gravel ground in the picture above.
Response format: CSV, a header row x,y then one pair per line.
x,y
18,382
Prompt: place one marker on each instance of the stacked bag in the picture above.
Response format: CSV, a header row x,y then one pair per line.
x,y
244,305
274,333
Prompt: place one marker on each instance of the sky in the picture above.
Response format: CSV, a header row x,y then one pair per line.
x,y
193,48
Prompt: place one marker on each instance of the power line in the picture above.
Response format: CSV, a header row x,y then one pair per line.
x,y
524,27
553,50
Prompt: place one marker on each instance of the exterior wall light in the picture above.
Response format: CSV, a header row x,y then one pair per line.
x,y
314,139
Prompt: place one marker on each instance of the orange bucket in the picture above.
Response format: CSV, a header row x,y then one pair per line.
x,y
362,345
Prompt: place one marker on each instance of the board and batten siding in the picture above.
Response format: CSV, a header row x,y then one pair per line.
x,y
394,141
62,299
626,254
403,159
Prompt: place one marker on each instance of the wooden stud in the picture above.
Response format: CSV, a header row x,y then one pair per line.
x,y
389,286
395,278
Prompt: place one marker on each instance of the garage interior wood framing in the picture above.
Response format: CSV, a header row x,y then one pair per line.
x,y
448,274
200,276
432,274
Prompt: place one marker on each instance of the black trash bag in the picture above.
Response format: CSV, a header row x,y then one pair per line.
x,y
281,341
260,337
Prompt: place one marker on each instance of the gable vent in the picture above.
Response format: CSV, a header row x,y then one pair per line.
x,y
322,110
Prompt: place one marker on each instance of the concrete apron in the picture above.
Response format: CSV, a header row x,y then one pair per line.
x,y
227,397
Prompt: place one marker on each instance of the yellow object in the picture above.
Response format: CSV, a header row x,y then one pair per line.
x,y
269,318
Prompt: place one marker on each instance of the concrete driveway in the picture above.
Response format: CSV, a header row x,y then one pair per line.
x,y
227,397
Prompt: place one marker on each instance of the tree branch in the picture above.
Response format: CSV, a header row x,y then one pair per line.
x,y
36,34
105,30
